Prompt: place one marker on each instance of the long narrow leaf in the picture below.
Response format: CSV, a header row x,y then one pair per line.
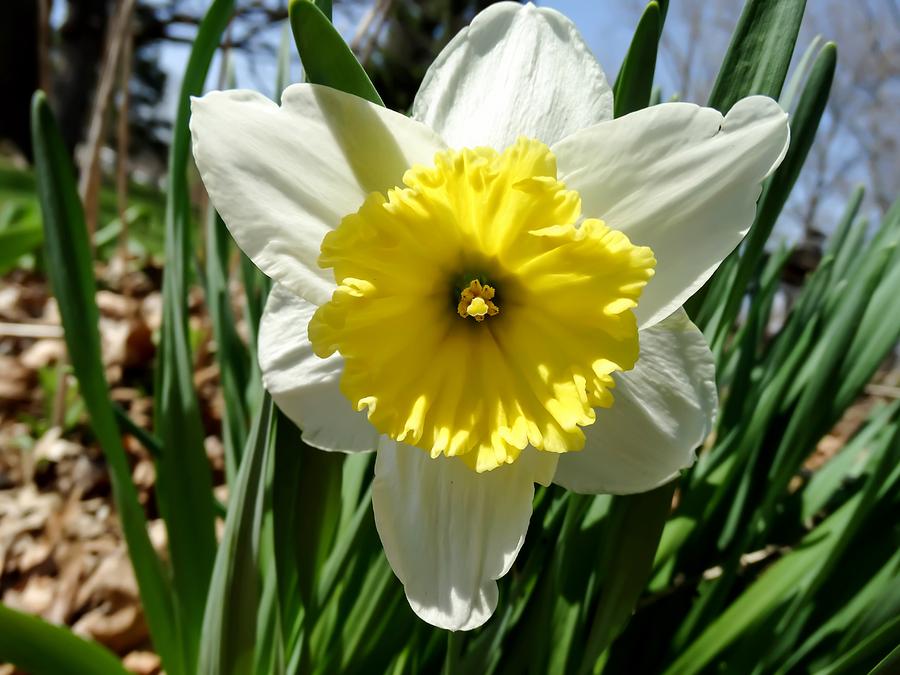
x,y
231,354
804,124
763,598
326,57
638,525
184,482
71,276
229,630
635,80
760,52
41,648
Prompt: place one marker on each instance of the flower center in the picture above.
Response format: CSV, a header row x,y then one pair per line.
x,y
476,301
409,266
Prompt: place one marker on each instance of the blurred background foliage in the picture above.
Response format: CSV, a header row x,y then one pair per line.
x,y
775,553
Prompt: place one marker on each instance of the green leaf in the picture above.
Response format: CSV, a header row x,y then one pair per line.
x,y
869,653
229,627
760,52
879,329
804,124
634,83
823,364
630,546
72,278
836,629
325,7
16,241
763,598
829,479
326,57
889,664
305,481
128,426
756,62
231,354
552,622
317,490
792,620
41,648
184,481
842,231
801,72
283,63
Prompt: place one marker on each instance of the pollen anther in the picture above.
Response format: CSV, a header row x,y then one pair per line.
x,y
476,301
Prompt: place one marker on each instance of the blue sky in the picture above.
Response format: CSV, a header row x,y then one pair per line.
x,y
607,27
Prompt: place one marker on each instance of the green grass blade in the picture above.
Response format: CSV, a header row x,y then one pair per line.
x,y
305,481
878,650
631,543
634,83
314,488
842,231
810,419
72,278
793,619
763,598
256,290
269,657
878,330
760,52
551,620
16,241
128,426
325,7
798,77
852,247
229,627
41,648
829,479
184,482
283,62
338,559
889,664
804,124
827,638
326,57
231,354
756,63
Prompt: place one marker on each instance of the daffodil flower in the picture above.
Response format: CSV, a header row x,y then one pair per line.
x,y
490,291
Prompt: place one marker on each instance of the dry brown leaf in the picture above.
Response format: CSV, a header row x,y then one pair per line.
x,y
159,537
116,305
52,447
17,381
118,624
142,663
151,310
50,312
10,295
109,603
35,597
43,353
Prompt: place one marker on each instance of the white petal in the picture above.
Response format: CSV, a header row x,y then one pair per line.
x,y
281,177
449,532
305,387
680,179
664,408
516,70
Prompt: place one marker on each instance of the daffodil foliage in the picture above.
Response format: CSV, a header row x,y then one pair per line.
x,y
488,292
527,307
